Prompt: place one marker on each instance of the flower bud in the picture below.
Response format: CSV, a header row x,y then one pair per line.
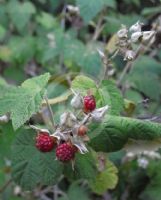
x,y
98,114
136,36
122,33
130,55
77,101
135,27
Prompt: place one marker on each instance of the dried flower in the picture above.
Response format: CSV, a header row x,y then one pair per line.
x,y
136,27
67,119
147,35
73,9
122,33
129,55
79,143
77,101
98,114
136,36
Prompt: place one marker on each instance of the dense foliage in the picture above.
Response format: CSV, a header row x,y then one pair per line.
x,y
50,49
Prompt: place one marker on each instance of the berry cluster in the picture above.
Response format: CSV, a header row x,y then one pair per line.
x,y
71,134
46,143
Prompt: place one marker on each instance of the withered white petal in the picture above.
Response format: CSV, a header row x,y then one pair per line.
x,y
78,142
136,36
77,101
122,33
136,27
61,135
68,119
73,9
147,35
98,114
130,55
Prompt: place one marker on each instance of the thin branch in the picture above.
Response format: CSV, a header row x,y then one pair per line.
x,y
56,100
50,111
2,189
99,28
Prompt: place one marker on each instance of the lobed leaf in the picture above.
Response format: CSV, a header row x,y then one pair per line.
x,y
89,9
111,96
22,102
31,167
106,179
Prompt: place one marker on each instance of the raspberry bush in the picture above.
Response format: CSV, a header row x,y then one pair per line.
x,y
80,100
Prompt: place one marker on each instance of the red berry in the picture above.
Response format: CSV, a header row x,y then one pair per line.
x,y
82,130
89,103
45,142
65,152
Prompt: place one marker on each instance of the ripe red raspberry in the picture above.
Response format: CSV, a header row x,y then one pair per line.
x,y
45,142
82,130
65,152
89,103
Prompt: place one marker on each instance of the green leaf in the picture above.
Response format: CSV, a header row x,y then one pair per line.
x,y
90,61
7,135
4,87
111,96
152,190
83,84
2,32
22,102
76,191
114,21
46,20
30,166
151,86
106,179
85,167
5,53
114,132
89,9
22,49
146,64
151,11
20,13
